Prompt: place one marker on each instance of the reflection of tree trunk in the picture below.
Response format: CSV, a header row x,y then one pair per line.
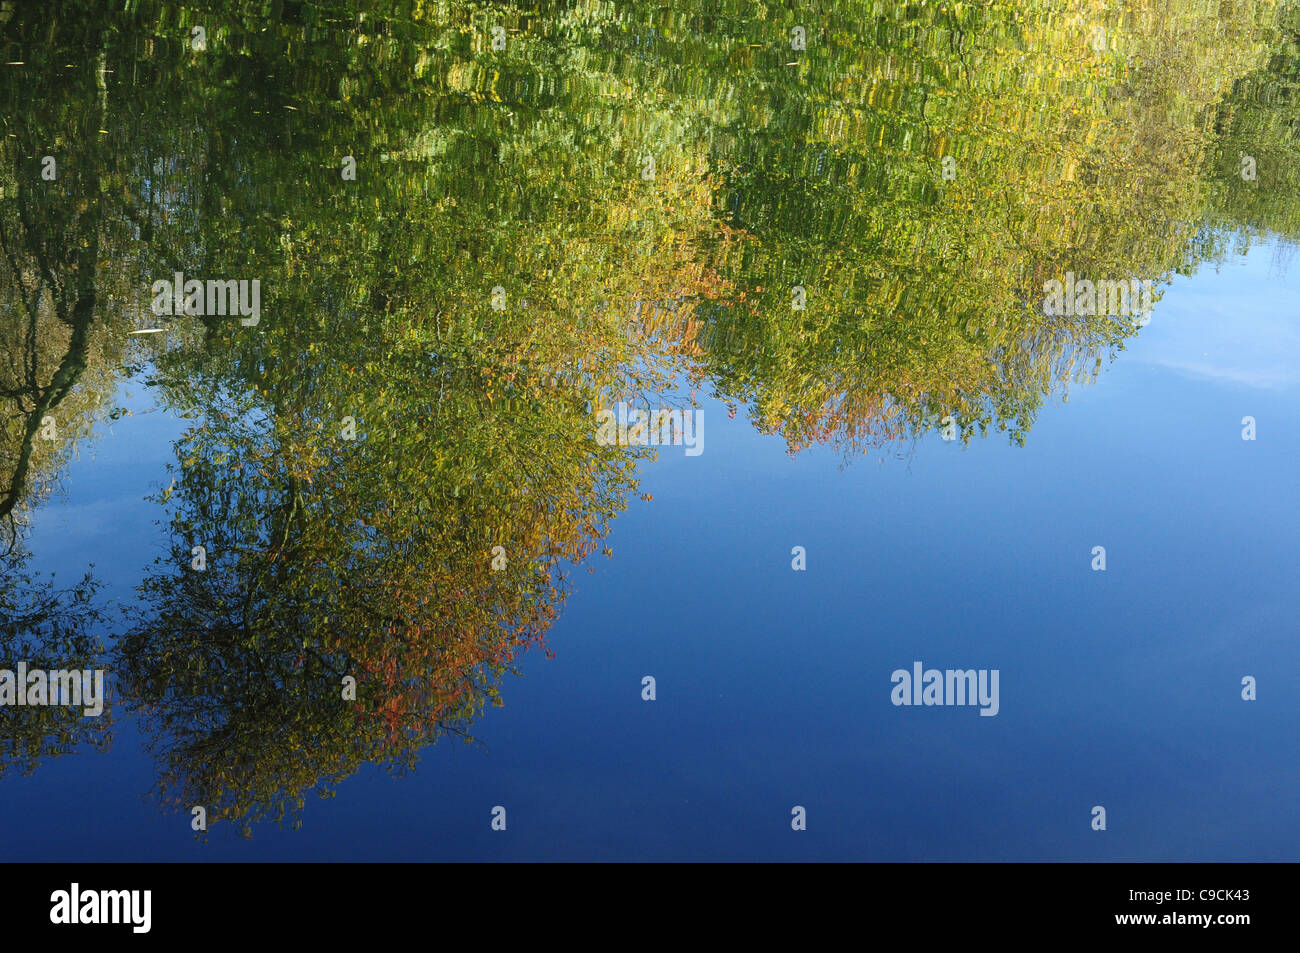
x,y
80,319
70,369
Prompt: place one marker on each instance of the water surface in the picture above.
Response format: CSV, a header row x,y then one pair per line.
x,y
360,566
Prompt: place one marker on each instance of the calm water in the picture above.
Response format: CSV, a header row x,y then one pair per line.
x,y
369,562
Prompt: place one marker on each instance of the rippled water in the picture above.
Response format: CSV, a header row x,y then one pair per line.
x,y
977,341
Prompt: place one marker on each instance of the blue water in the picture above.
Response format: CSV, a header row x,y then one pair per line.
x,y
1119,688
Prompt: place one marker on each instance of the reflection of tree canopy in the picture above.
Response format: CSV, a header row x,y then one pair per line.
x,y
522,169
368,558
371,558
59,357
52,629
924,295
1261,119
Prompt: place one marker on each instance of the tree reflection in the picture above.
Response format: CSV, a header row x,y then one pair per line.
x,y
623,199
